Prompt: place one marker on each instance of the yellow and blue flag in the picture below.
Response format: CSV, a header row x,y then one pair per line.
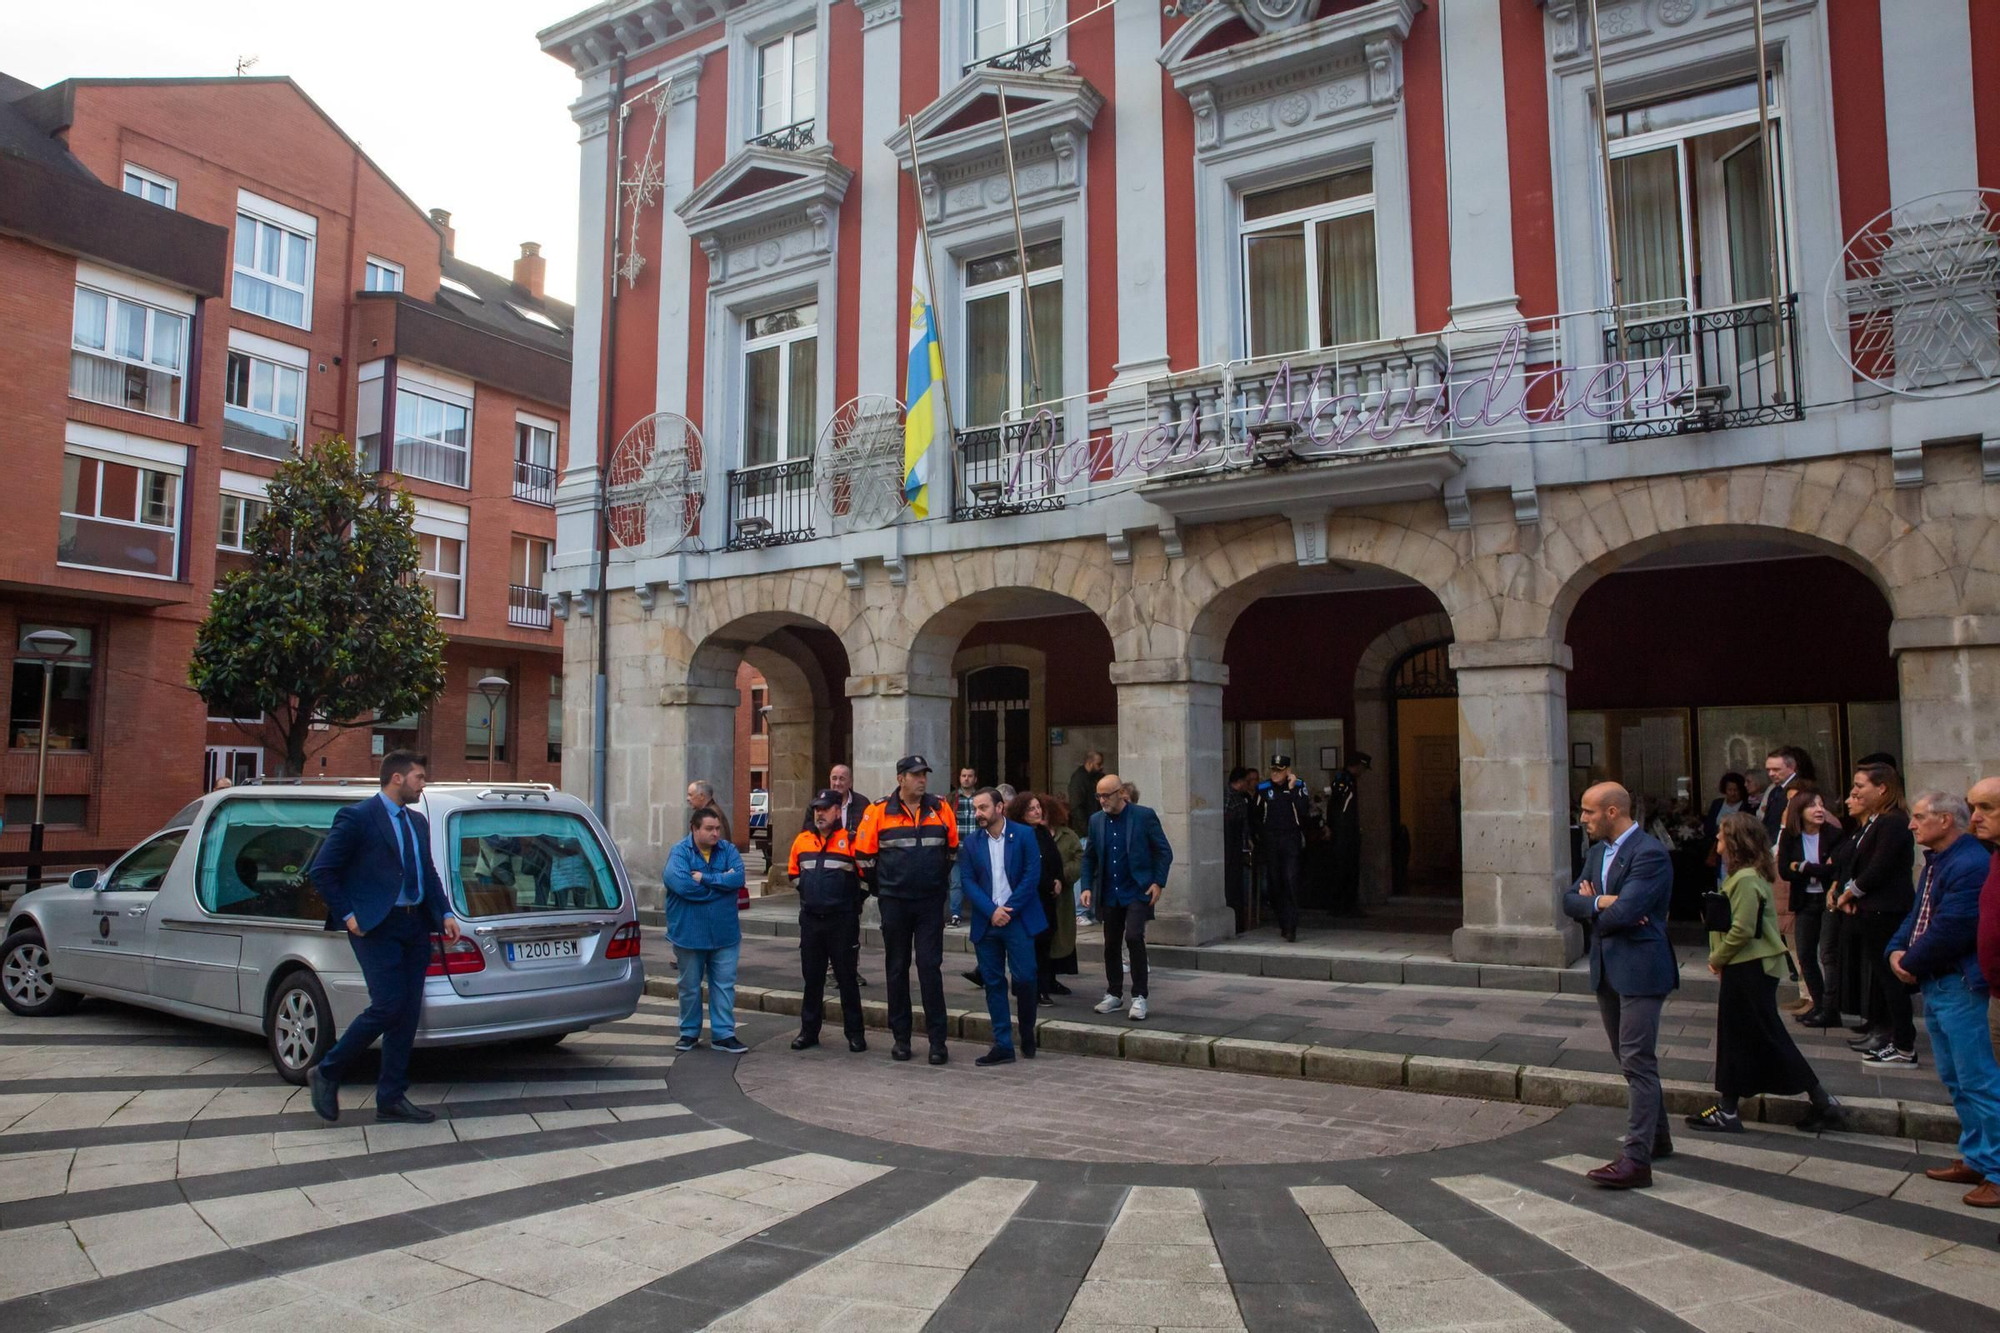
x,y
923,389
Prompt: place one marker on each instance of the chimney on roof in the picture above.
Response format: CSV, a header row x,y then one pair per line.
x,y
530,269
441,219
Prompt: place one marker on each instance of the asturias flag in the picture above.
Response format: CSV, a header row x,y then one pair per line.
x,y
923,389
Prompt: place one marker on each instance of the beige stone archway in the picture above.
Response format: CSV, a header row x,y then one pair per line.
x,y
1371,735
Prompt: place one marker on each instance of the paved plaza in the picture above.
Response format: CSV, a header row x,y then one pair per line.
x,y
155,1176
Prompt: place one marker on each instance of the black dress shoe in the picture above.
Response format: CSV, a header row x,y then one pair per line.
x,y
975,977
999,1055
939,1055
325,1094
1858,1027
804,1043
1815,1019
1027,1048
406,1112
1057,988
900,1051
1662,1149
1045,999
857,1044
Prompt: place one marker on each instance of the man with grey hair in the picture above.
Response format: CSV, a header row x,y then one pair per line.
x,y
701,796
1937,948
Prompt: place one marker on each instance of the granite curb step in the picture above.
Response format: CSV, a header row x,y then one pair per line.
x,y
1535,1085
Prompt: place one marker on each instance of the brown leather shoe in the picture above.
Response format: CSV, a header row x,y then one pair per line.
x,y
1623,1174
1958,1173
1986,1196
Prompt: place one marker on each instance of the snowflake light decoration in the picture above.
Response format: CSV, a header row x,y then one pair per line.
x,y
646,183
1913,303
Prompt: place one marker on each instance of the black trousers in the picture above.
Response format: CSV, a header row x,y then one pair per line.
x,y
1124,927
1807,925
914,927
1889,1009
823,940
1284,864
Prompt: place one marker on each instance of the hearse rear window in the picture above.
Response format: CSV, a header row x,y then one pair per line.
x,y
506,862
255,855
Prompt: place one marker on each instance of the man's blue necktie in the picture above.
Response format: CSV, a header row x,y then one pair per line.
x,y
412,885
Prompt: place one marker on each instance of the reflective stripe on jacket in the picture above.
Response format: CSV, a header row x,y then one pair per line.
x,y
826,872
910,852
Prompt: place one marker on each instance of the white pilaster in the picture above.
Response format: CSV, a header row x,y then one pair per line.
x,y
576,509
1480,196
879,354
1927,97
1141,199
677,170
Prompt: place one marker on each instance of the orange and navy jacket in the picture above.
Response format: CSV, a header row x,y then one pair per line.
x,y
826,872
906,853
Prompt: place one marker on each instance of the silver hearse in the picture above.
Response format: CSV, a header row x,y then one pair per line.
x,y
215,917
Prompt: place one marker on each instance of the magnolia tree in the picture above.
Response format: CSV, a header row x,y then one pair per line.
x,y
330,625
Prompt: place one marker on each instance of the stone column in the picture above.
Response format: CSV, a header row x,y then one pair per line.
x,y
1170,747
655,753
794,775
880,351
1513,756
1371,735
1948,669
895,715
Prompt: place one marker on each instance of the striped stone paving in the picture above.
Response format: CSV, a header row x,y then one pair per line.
x,y
154,1176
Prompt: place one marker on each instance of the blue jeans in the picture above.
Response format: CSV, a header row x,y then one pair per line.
x,y
393,957
1003,949
1963,1049
718,966
957,893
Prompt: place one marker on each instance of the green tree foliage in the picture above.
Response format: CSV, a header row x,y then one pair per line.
x,y
330,623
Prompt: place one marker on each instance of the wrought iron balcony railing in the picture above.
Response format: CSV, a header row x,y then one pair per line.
x,y
534,483
1731,359
788,138
528,607
771,505
1005,470
1021,59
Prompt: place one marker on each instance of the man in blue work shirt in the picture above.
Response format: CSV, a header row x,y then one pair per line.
x,y
1125,866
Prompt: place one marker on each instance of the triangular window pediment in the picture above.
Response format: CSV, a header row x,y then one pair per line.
x,y
963,127
762,188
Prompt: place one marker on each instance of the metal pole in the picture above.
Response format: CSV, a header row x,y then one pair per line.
x,y
41,779
490,709
1610,197
600,710
1770,202
1021,252
924,230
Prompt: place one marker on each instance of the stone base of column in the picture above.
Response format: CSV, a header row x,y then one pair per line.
x,y
1518,946
1199,926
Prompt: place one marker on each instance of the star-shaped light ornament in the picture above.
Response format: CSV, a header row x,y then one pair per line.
x,y
1918,290
648,181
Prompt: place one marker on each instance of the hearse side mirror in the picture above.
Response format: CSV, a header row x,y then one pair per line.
x,y
83,879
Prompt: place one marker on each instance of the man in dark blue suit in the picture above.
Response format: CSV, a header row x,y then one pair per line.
x,y
375,872
1628,880
1125,867
999,868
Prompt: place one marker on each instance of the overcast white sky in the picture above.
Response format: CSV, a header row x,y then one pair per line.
x,y
451,97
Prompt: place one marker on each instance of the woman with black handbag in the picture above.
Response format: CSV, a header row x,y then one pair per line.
x,y
1754,1054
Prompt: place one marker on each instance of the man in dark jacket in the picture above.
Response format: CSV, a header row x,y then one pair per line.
x,y
1236,798
1627,885
1083,792
829,884
1125,865
1343,818
1937,948
1288,816
906,846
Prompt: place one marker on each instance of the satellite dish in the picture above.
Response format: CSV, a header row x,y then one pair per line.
x,y
858,465
1911,303
653,493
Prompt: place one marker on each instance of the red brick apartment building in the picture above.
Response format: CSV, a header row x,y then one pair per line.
x,y
196,274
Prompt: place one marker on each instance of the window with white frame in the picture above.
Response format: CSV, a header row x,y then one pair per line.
x,y
781,385
1309,265
382,275
263,403
1688,180
274,265
999,26
127,354
118,514
534,460
433,437
998,361
150,186
787,80
239,514
441,567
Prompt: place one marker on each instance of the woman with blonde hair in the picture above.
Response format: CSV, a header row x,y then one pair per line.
x,y
1754,1054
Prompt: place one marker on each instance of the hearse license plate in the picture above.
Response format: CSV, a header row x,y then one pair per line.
x,y
541,951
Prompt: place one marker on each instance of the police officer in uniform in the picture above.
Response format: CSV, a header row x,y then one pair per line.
x,y
829,883
1343,817
1288,816
906,845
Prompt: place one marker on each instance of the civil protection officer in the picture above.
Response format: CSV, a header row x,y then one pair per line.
x,y
906,845
1287,818
829,883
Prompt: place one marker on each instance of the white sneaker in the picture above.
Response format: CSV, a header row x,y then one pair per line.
x,y
1110,1004
1138,1009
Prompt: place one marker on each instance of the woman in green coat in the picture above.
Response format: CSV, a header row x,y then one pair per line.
x,y
1062,938
1754,1053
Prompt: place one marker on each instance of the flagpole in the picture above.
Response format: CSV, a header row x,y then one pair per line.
x,y
1020,251
930,271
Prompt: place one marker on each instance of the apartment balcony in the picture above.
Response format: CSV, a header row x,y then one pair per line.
x,y
771,505
1730,358
1002,470
528,607
534,483
1023,59
792,138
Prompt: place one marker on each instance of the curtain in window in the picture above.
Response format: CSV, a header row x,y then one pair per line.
x,y
802,412
1274,266
1749,234
761,419
1347,280
1647,190
987,340
1045,301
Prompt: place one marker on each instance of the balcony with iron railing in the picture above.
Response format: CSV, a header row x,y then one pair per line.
x,y
1022,59
788,138
534,483
1741,375
528,607
1005,469
771,504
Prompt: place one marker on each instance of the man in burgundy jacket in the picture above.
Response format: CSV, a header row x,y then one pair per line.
x,y
1984,798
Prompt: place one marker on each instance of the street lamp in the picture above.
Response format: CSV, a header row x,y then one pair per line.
x,y
492,689
51,645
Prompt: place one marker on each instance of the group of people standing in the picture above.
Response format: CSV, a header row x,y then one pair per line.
x,y
1269,823
1851,878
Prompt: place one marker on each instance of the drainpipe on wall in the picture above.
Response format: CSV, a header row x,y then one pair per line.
x,y
600,721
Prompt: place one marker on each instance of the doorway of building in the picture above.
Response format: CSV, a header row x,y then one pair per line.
x,y
238,763
997,726
1423,722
